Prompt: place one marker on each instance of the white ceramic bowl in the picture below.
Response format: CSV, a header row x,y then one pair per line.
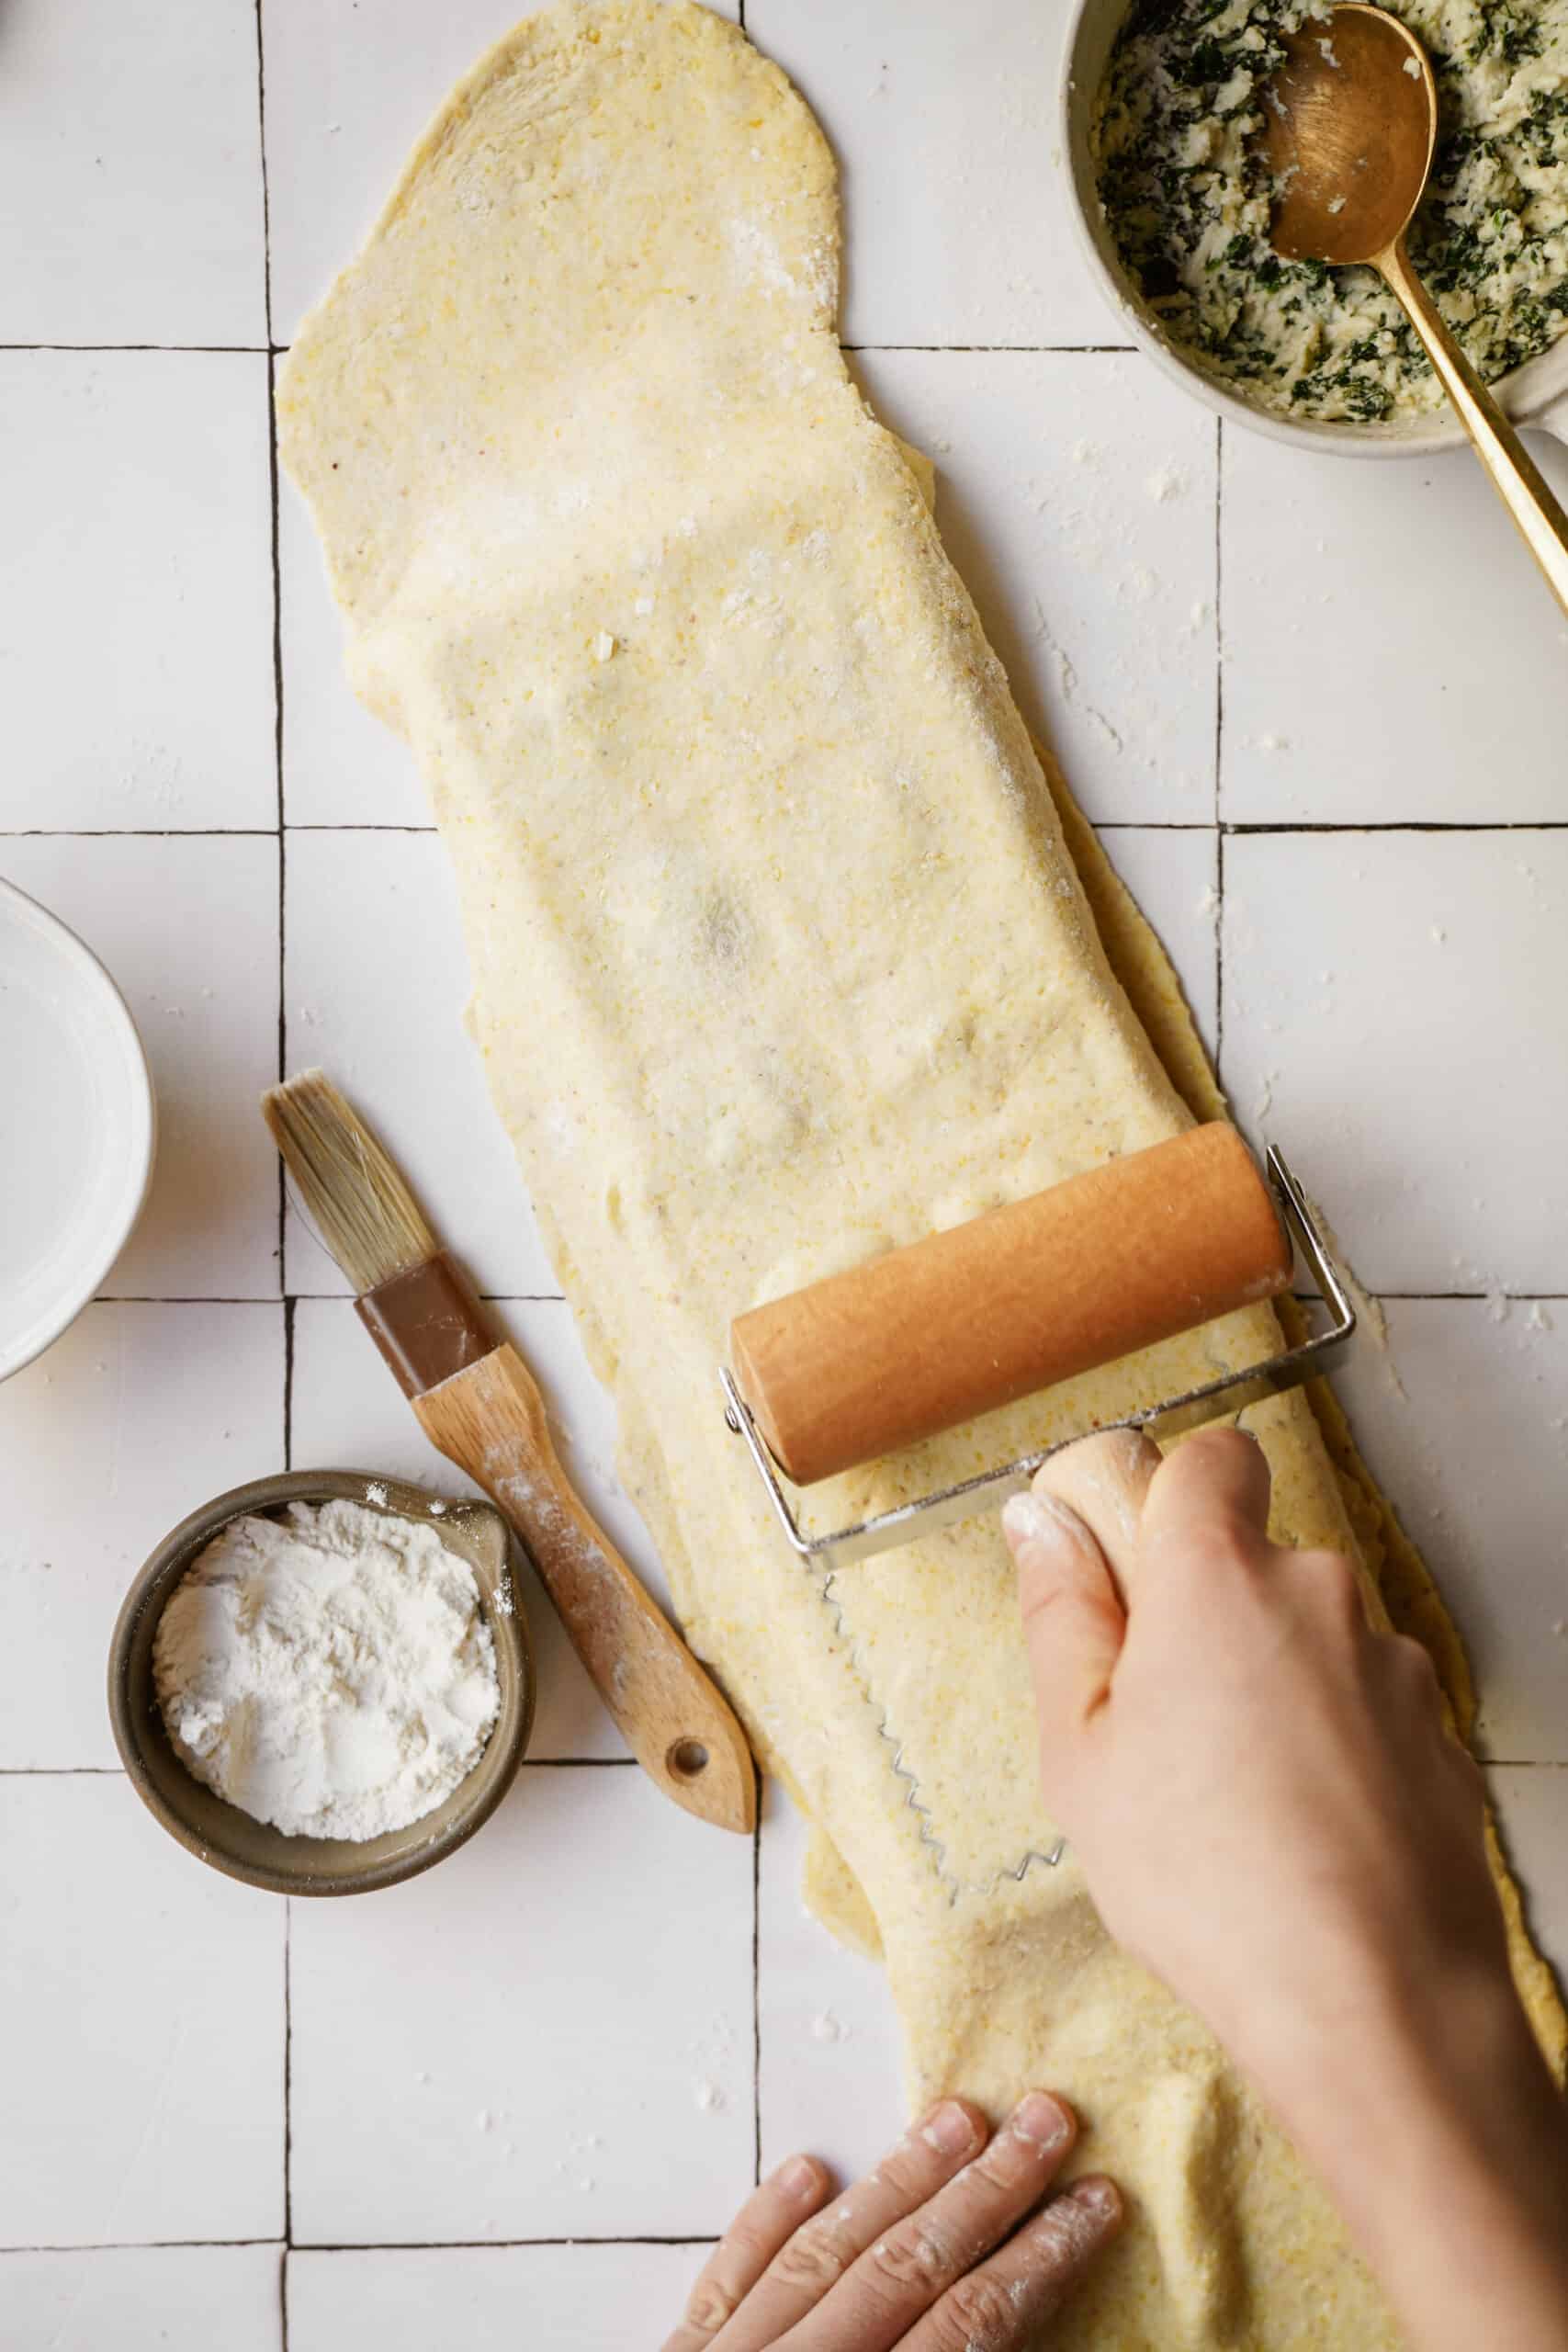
x,y
1536,394
76,1126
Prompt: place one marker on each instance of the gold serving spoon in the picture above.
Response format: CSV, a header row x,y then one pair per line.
x,y
1351,124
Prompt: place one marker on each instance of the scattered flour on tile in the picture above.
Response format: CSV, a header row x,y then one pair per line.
x,y
579,2155
329,1671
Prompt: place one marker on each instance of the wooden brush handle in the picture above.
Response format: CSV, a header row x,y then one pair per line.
x,y
924,1338
490,1420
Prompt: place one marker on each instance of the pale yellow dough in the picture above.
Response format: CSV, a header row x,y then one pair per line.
x,y
779,958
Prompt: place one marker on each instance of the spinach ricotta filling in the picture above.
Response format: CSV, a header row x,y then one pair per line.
x,y
1186,198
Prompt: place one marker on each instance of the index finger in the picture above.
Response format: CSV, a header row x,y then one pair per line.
x,y
1104,1480
1215,1484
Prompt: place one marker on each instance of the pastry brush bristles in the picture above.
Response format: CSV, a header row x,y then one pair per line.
x,y
351,1191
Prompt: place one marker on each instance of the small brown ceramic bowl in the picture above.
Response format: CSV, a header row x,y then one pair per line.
x,y
252,1850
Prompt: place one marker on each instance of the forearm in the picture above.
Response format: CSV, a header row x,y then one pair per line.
x,y
1444,2142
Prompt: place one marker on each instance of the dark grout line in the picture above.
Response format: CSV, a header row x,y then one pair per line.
x,y
273,349
1473,1297
470,2245
144,2245
288,1306
138,832
1411,825
282,1069
60,1773
579,1764
1461,826
258,350
1235,828
347,2245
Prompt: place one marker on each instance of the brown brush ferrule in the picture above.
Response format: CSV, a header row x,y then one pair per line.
x,y
428,1323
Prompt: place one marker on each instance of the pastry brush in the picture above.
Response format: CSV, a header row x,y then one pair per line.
x,y
477,1401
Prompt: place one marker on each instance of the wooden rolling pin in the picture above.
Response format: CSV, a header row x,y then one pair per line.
x,y
870,1361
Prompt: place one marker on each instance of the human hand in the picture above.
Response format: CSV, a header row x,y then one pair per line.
x,y
927,2254
1274,1818
1261,1790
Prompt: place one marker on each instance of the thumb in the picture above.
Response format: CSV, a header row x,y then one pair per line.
x,y
1074,1624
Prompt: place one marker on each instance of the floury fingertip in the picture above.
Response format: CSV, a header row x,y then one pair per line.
x,y
1036,1520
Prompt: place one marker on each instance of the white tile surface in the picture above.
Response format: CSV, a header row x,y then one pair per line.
x,y
1173,877
1076,495
1474,1451
350,87
585,1966
830,2081
340,765
489,2299
1391,652
943,121
376,984
348,1414
1392,1019
519,2043
188,927
135,587
1532,1806
131,173
162,1982
145,2299
140,1413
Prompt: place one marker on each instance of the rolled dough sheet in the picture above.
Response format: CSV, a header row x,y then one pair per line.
x,y
780,957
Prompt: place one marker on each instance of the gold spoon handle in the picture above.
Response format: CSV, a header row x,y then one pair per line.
x,y
1515,474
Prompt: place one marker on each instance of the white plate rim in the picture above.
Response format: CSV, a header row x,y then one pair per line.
x,y
15,1354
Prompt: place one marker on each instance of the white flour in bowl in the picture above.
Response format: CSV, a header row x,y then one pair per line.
x,y
330,1671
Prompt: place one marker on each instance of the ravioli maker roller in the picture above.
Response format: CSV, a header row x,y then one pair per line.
x,y
919,1339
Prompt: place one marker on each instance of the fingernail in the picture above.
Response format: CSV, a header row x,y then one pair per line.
x,y
797,2179
1097,2197
1032,1518
1041,2120
949,2129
